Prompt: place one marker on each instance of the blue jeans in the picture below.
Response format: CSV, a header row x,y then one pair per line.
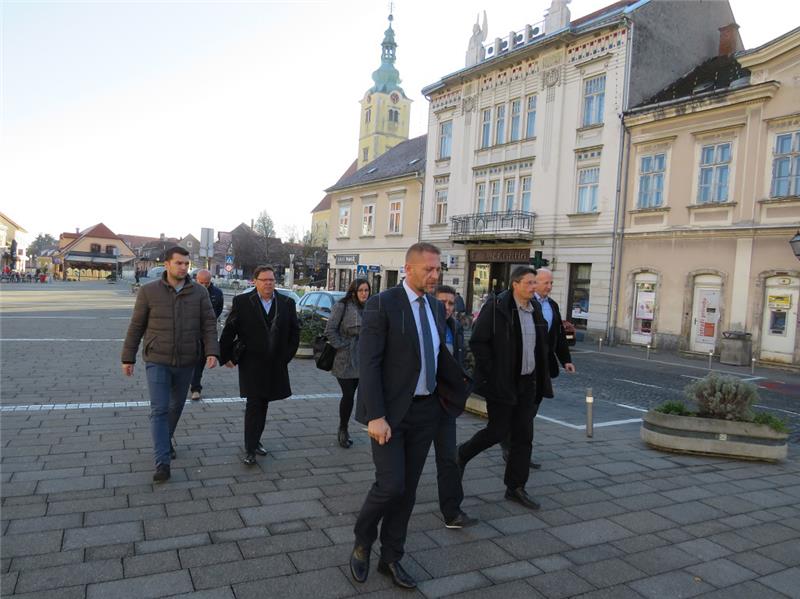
x,y
168,386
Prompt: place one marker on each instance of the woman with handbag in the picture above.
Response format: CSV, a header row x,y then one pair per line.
x,y
342,332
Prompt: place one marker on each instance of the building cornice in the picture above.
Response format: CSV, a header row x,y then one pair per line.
x,y
771,50
715,100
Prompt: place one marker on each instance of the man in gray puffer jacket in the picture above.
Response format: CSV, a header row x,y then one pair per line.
x,y
175,317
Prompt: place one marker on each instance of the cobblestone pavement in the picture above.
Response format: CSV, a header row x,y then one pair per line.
x,y
81,519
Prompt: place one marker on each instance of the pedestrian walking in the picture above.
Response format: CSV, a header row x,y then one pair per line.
x,y
509,341
175,318
203,278
407,378
556,339
448,476
342,332
260,336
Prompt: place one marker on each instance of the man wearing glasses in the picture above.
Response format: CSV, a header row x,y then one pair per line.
x,y
261,336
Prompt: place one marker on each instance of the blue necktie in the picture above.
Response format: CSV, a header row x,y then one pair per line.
x,y
427,345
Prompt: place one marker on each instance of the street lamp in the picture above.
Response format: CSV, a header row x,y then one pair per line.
x,y
795,243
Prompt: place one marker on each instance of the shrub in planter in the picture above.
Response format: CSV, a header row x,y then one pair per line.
x,y
311,326
723,397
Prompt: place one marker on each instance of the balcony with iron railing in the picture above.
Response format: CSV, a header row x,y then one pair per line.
x,y
492,227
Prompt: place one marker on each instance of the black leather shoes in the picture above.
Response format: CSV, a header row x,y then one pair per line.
x,y
249,459
344,438
162,473
260,450
359,563
520,496
399,576
460,521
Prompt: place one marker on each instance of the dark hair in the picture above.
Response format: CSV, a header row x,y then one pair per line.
x,y
444,289
520,272
262,268
352,290
175,250
419,248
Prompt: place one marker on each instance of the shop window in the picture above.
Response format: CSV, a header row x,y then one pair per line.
x,y
580,279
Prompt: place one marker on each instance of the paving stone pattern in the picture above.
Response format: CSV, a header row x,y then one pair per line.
x,y
81,518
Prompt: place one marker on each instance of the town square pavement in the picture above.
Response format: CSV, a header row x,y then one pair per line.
x,y
81,518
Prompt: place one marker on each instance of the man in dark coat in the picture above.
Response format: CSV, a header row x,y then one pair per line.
x,y
217,302
407,382
448,477
261,335
509,341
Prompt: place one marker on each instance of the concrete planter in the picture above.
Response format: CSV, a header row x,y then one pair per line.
x,y
304,352
708,436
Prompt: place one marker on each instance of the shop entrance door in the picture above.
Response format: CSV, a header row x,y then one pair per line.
x,y
779,325
705,313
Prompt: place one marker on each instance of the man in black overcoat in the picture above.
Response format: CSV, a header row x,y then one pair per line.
x,y
261,336
509,342
408,381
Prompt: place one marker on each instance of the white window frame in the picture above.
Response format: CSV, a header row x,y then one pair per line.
x,y
714,173
486,128
789,182
344,221
368,219
588,190
395,216
516,120
499,124
526,193
480,197
594,92
530,117
494,195
445,139
509,195
652,180
440,207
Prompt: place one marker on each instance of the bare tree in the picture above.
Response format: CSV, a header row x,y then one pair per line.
x,y
264,225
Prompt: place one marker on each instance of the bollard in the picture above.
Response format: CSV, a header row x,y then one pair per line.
x,y
648,351
589,403
752,366
710,357
600,344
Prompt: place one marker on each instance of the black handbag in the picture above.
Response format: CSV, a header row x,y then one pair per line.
x,y
325,357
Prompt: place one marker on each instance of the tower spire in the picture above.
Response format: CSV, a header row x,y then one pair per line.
x,y
387,77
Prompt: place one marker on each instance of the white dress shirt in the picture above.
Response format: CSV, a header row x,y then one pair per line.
x,y
422,386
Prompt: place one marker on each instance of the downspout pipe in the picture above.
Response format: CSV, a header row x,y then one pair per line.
x,y
621,200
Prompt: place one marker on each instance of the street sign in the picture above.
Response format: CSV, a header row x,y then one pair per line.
x,y
361,270
229,267
228,259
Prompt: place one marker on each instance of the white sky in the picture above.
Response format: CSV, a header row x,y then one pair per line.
x,y
171,116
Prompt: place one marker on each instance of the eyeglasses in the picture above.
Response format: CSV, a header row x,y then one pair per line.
x,y
266,280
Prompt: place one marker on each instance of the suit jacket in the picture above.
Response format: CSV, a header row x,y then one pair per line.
x,y
264,365
559,349
390,364
458,339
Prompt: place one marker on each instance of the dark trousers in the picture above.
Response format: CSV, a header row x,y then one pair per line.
x,y
504,420
448,477
255,418
398,466
346,403
197,375
506,443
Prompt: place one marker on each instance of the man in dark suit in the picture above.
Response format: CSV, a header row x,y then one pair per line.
x,y
557,340
262,334
407,382
509,341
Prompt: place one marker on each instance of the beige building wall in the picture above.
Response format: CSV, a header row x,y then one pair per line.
x,y
381,250
673,252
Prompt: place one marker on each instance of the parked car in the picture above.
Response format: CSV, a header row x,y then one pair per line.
x,y
319,302
155,272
